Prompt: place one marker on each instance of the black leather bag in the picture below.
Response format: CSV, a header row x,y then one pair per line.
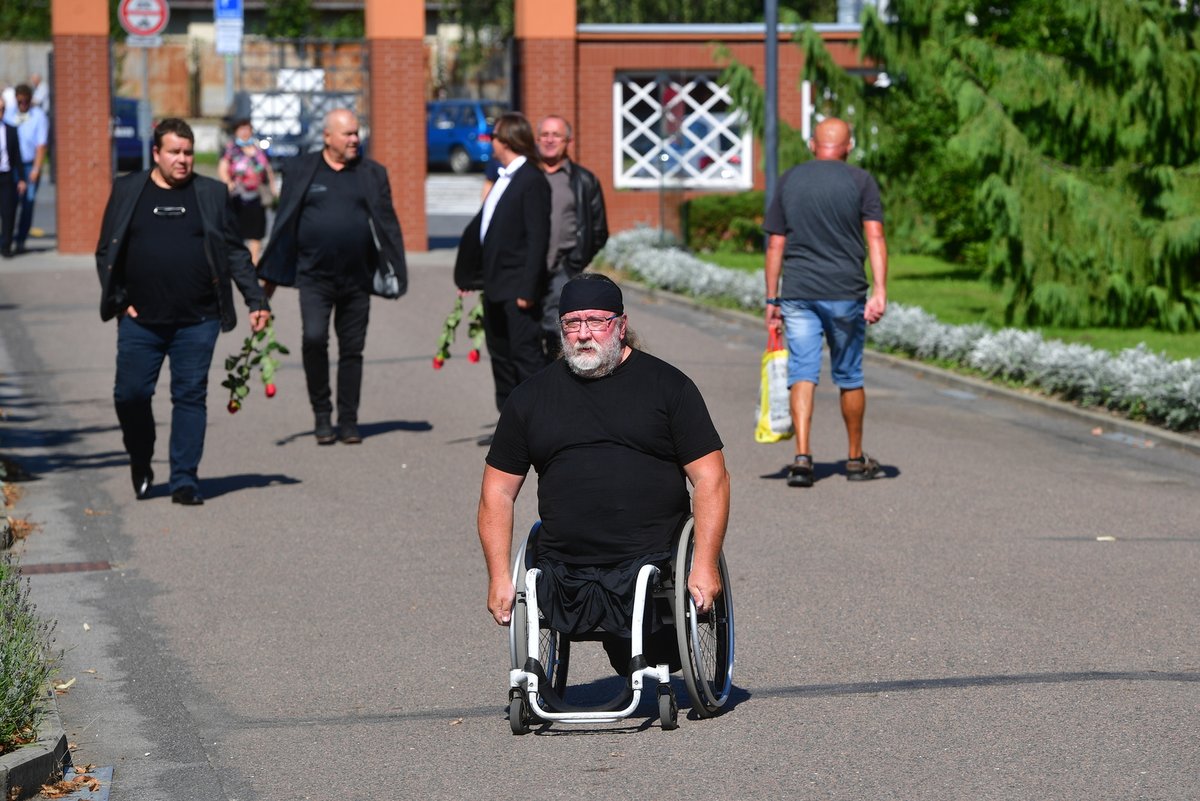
x,y
384,283
468,264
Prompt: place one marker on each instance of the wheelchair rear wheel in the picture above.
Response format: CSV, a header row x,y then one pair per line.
x,y
706,642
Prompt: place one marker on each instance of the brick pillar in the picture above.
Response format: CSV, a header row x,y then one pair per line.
x,y
547,62
395,32
83,161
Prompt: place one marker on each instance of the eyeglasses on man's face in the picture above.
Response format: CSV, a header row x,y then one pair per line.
x,y
596,324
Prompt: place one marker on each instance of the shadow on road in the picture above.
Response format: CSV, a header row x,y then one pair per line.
x,y
823,470
368,430
954,682
216,487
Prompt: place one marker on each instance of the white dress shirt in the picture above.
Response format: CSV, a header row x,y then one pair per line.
x,y
489,205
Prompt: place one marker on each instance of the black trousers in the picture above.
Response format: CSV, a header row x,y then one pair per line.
x,y
348,301
8,209
514,342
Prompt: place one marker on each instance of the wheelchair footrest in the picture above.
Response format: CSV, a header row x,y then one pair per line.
x,y
553,702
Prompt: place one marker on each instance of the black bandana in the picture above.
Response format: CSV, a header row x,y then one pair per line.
x,y
599,294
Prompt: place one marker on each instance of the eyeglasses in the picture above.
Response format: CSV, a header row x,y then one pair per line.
x,y
596,324
551,135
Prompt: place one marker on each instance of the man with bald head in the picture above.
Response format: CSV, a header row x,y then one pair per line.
x,y
826,218
335,226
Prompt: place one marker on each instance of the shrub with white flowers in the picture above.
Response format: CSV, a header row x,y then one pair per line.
x,y
1142,385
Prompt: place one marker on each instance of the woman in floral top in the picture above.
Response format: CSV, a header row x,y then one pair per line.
x,y
245,170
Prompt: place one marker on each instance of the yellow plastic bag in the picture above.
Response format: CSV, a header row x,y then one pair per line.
x,y
774,400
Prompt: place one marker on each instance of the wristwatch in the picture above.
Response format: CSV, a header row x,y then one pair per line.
x,y
772,301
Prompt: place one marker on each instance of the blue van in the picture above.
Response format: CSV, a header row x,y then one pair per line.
x,y
458,133
127,142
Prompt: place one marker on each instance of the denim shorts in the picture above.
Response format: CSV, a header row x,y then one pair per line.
x,y
841,323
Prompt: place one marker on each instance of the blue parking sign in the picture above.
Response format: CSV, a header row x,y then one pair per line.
x,y
227,9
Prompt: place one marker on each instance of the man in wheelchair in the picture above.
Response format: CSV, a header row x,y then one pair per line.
x,y
615,435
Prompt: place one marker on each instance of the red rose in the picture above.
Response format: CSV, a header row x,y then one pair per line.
x,y
473,356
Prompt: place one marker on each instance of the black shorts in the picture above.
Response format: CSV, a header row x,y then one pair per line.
x,y
251,218
580,598
595,602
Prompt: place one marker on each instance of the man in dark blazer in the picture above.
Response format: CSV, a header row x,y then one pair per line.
x,y
334,229
169,248
503,252
12,183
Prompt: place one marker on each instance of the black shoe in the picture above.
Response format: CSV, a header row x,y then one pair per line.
x,y
187,496
143,479
349,434
323,429
864,468
800,472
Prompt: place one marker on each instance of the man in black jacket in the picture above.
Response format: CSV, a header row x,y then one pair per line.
x,y
334,228
503,251
578,226
12,183
169,245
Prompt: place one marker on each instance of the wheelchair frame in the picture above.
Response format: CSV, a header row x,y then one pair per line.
x,y
540,657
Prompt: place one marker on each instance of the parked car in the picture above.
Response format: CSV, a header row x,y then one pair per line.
x,y
459,132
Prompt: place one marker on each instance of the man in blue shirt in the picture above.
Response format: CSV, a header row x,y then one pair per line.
x,y
33,132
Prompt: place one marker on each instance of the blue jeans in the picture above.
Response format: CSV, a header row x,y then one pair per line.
x,y
140,353
841,323
25,208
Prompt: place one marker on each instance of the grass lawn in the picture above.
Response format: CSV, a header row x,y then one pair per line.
x,y
956,295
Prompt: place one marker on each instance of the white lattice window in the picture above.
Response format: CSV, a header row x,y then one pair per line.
x,y
679,131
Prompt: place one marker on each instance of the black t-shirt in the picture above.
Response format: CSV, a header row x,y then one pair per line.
x,y
820,208
609,455
334,232
167,274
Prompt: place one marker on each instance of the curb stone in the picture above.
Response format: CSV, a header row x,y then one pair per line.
x,y
1109,422
41,762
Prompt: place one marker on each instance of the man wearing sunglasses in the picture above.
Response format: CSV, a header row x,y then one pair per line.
x,y
169,250
615,436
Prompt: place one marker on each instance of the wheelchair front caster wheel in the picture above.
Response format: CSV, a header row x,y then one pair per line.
x,y
668,708
519,714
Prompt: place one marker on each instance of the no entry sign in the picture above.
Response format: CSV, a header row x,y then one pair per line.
x,y
143,17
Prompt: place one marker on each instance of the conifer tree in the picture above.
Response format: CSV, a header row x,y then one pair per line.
x,y
1055,141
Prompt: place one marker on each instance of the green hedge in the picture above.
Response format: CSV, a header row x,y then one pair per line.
x,y
731,223
26,659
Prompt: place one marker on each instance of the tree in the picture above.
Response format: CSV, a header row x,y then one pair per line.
x,y
1057,141
290,19
28,21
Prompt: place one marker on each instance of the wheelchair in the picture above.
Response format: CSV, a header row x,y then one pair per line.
x,y
540,657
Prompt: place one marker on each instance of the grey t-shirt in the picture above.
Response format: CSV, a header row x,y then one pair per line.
x,y
562,213
820,207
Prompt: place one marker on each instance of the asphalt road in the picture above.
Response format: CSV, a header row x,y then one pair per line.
x,y
1009,614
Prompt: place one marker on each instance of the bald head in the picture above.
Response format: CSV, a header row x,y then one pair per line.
x,y
831,140
341,137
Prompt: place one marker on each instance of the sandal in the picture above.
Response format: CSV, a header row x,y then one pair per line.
x,y
800,472
863,468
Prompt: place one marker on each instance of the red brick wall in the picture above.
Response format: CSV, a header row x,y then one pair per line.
x,y
398,129
547,74
83,162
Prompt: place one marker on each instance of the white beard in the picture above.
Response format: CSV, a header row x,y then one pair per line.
x,y
593,359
